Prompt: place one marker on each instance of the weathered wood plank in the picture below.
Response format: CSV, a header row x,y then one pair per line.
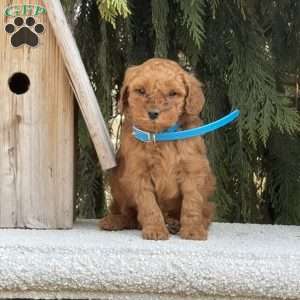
x,y
81,83
36,133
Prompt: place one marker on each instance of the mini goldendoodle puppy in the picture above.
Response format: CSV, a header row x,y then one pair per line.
x,y
161,185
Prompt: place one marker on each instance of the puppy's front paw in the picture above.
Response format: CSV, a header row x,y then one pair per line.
x,y
193,233
155,232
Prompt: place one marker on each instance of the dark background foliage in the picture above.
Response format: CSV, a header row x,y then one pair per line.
x,y
247,55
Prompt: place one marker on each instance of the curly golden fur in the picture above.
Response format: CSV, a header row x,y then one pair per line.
x,y
161,187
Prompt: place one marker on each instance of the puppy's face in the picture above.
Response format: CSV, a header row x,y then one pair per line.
x,y
157,93
156,99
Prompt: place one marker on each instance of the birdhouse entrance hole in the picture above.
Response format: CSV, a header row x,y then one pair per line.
x,y
19,83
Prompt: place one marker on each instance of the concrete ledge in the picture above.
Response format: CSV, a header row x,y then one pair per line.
x,y
237,262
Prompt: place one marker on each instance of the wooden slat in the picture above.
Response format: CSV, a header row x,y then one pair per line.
x,y
84,91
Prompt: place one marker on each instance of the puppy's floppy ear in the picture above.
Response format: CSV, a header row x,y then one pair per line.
x,y
124,93
195,99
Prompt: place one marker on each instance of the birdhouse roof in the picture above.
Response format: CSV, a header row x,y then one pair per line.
x,y
81,84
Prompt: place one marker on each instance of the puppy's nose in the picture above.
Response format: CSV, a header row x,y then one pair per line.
x,y
153,115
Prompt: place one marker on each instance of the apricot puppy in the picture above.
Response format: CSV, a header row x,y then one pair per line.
x,y
161,185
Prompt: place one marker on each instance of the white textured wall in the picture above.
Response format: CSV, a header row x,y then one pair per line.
x,y
245,261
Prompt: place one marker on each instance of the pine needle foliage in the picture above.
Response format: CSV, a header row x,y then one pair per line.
x,y
247,55
283,181
111,9
252,87
193,12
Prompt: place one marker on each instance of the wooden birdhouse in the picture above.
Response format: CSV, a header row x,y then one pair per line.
x,y
40,73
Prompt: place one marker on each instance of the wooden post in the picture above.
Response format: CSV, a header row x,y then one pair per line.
x,y
82,87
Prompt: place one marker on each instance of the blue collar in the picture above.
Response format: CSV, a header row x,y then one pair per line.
x,y
172,134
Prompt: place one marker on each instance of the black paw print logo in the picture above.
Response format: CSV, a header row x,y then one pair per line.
x,y
23,34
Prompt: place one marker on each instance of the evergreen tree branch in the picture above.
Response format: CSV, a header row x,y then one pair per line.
x,y
160,11
252,87
283,181
193,18
111,9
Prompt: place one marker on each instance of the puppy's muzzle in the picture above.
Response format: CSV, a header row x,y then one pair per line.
x,y
153,114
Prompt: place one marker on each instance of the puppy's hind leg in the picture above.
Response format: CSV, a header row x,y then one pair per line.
x,y
115,220
208,213
193,221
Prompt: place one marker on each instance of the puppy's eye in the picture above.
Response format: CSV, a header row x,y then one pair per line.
x,y
172,94
140,91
